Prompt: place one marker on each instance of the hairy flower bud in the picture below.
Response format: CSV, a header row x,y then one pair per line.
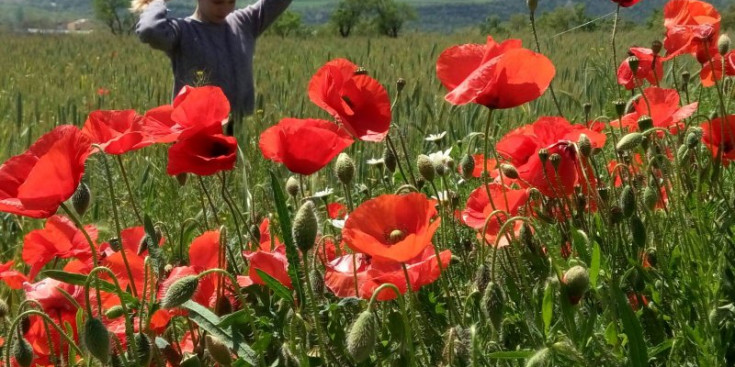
x,y
22,352
509,171
493,303
180,291
96,339
723,44
345,168
585,145
426,167
292,186
576,280
629,141
218,350
305,227
389,160
114,312
627,201
143,349
650,197
362,336
656,46
467,163
81,198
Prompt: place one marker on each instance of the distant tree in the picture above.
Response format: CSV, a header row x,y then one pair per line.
x,y
517,22
115,15
347,15
391,16
491,25
565,18
655,20
289,23
728,18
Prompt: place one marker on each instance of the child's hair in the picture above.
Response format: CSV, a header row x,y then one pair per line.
x,y
137,6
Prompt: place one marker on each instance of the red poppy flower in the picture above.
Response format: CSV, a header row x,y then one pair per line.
x,y
116,132
392,227
479,208
202,154
303,146
712,70
328,250
555,134
43,353
193,110
691,26
339,275
35,183
59,238
336,211
269,257
716,134
626,3
645,69
357,101
662,105
46,292
13,278
494,75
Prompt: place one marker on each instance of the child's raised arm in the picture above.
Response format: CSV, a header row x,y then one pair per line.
x,y
155,28
257,17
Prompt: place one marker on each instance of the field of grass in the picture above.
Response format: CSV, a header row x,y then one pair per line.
x,y
673,309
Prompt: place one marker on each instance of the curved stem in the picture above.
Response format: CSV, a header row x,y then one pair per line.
x,y
48,319
130,191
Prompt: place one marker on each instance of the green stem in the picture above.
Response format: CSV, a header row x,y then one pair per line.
x,y
538,49
48,319
130,191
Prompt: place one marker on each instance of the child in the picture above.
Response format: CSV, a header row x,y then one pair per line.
x,y
216,44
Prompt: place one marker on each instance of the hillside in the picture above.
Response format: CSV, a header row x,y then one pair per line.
x,y
433,14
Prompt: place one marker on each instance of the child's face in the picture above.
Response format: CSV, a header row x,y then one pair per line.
x,y
216,11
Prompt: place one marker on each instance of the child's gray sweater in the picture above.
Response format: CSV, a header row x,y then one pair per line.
x,y
222,52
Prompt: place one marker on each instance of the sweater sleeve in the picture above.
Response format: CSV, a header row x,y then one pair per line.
x,y
156,28
257,17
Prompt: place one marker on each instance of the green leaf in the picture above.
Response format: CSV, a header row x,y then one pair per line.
x,y
548,307
278,288
638,353
209,322
292,253
580,242
239,317
516,354
595,265
79,279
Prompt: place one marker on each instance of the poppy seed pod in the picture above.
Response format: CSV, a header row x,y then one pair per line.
x,y
22,352
509,171
585,145
555,161
97,339
587,107
619,107
723,44
400,84
543,155
362,335
218,350
426,167
629,141
685,77
576,281
345,168
532,4
633,63
656,46
292,186
81,198
180,291
644,123
181,178
305,227
650,197
467,164
389,160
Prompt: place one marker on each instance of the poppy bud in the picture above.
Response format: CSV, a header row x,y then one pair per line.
x,y
81,198
650,197
305,227
576,281
218,350
3,309
467,163
180,291
143,349
22,351
389,160
345,168
114,312
629,141
509,171
627,201
685,77
532,4
317,282
292,186
543,155
426,167
492,304
439,167
116,360
645,123
585,145
482,277
656,46
181,178
362,335
692,140
619,107
255,232
555,161
587,107
97,339
191,360
633,63
616,214
723,44
456,350
526,235
638,230
400,84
